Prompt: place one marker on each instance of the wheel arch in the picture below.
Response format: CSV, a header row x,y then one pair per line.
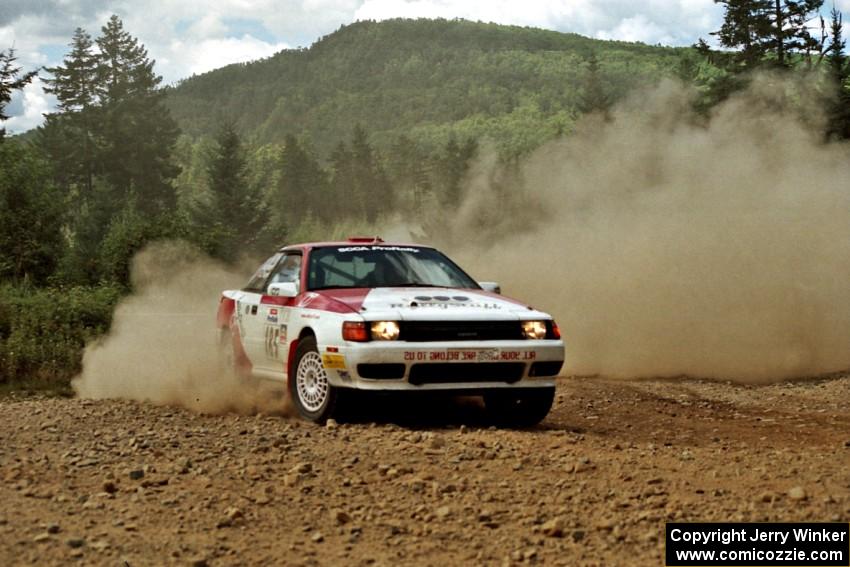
x,y
293,346
306,331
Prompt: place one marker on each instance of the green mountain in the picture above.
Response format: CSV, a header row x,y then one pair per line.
x,y
425,79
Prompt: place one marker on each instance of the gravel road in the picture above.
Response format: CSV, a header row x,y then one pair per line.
x,y
427,483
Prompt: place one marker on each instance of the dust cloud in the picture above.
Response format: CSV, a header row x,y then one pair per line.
x,y
163,343
666,244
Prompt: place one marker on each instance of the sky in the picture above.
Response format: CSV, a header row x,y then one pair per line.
x,y
188,37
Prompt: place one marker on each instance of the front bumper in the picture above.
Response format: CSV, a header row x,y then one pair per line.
x,y
466,365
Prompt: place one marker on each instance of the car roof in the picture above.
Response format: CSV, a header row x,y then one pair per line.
x,y
350,242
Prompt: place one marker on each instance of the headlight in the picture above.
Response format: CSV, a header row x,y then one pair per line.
x,y
534,329
385,330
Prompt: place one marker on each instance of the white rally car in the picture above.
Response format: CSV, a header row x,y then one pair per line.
x,y
369,315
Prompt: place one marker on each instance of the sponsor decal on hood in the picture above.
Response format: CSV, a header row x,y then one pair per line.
x,y
415,302
422,303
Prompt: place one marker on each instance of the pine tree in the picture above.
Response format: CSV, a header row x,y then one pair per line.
x,y
232,218
767,31
370,189
789,26
836,58
746,27
593,95
138,133
453,165
74,83
409,172
303,184
9,82
110,143
362,178
342,173
89,224
838,105
359,182
124,70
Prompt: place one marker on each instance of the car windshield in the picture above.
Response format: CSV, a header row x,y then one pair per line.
x,y
383,266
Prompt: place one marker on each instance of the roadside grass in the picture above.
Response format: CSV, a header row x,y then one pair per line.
x,y
43,332
34,387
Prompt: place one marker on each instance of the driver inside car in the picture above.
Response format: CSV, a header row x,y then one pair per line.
x,y
384,274
289,270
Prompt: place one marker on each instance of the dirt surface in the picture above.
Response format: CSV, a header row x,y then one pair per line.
x,y
127,483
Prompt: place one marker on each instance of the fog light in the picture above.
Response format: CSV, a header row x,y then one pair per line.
x,y
534,329
385,330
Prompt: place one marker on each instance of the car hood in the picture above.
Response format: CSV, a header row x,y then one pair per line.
x,y
432,303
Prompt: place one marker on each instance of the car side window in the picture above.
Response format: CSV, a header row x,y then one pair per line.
x,y
287,270
256,282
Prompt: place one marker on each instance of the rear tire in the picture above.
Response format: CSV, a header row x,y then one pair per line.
x,y
309,387
518,407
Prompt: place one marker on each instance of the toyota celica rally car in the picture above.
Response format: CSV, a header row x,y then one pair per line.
x,y
365,314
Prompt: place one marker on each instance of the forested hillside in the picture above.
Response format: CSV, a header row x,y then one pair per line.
x,y
420,78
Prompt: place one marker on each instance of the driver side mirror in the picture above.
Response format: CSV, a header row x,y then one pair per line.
x,y
493,287
283,289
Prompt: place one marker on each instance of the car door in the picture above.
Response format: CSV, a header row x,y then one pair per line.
x,y
271,325
248,309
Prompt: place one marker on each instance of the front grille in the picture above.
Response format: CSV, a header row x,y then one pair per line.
x,y
429,331
385,371
546,368
448,373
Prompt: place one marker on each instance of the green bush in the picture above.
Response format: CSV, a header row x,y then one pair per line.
x,y
43,331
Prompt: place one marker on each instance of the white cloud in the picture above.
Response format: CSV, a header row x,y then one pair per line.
x,y
210,25
209,54
673,22
385,9
637,28
35,103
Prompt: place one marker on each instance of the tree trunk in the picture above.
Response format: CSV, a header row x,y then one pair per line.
x,y
780,34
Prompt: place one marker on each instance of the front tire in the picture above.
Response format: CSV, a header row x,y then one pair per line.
x,y
309,387
518,407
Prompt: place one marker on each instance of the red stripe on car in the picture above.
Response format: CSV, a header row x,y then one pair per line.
x,y
225,312
336,300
